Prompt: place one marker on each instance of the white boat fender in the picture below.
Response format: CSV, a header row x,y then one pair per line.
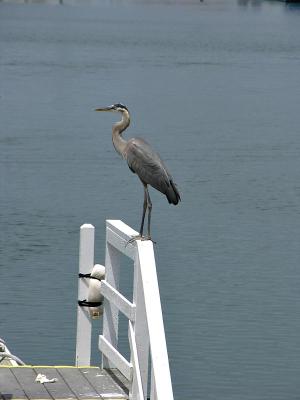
x,y
94,297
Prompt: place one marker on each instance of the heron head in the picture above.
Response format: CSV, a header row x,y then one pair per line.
x,y
114,108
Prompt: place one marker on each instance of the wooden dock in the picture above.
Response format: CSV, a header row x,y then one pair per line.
x,y
71,383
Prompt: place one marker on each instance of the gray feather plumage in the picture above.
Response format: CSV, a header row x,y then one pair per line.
x,y
148,165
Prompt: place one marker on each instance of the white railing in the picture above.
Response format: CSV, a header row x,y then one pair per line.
x,y
145,323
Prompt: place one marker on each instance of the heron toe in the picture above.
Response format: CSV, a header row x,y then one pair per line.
x,y
139,237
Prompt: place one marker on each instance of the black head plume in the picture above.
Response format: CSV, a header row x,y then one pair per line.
x,y
120,106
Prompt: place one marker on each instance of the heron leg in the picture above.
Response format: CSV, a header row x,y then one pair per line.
x,y
144,210
146,205
149,204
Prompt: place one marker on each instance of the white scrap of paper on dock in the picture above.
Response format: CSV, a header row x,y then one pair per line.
x,y
43,379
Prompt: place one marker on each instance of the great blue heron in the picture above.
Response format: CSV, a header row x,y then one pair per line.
x,y
143,161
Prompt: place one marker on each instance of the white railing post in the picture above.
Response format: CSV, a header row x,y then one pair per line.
x,y
158,346
111,312
86,263
140,332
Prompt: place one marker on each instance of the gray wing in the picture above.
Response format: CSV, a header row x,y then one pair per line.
x,y
147,164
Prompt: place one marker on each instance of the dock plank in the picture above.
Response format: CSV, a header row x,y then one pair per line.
x,y
79,384
90,383
58,390
119,379
9,386
26,378
104,384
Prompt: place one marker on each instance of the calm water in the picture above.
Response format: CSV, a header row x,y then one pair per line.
x,y
215,86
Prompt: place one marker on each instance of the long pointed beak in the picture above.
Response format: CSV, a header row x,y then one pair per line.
x,y
104,109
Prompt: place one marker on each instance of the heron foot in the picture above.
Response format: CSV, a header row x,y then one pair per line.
x,y
139,237
147,237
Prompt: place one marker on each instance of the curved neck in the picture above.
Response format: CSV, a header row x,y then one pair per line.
x,y
118,141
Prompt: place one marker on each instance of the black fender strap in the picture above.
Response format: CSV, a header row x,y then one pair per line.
x,y
85,303
88,276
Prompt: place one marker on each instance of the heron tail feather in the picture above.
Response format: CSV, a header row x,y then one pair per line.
x,y
172,193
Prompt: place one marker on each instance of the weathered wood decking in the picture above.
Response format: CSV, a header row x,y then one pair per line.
x,y
72,383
